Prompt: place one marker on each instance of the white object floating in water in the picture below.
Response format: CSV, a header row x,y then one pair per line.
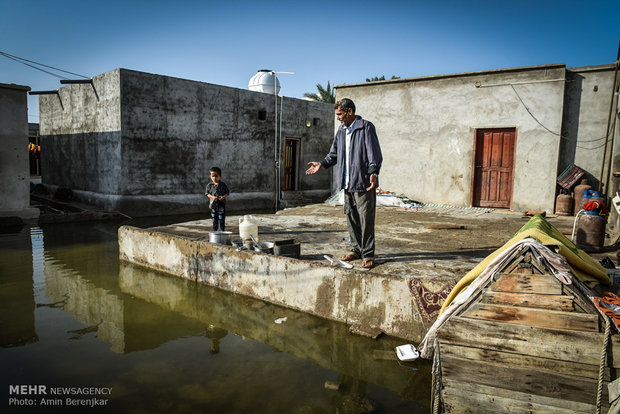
x,y
280,320
407,352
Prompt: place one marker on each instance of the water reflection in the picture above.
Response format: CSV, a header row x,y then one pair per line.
x,y
17,288
178,346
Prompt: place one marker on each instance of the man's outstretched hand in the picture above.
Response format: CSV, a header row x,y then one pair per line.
x,y
314,167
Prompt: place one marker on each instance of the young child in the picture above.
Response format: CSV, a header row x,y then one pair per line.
x,y
217,192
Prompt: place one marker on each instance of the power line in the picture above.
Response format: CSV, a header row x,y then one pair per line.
x,y
555,133
23,61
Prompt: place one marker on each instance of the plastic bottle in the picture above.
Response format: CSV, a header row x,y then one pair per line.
x,y
248,225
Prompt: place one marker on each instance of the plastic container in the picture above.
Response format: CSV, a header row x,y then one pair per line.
x,y
248,225
288,248
407,352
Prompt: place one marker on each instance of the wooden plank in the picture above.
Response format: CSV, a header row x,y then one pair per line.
x,y
532,300
524,361
465,397
534,317
546,384
541,284
584,347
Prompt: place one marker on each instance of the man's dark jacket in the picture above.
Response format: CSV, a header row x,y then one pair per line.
x,y
365,155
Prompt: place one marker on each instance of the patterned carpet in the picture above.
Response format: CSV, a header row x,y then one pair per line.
x,y
429,295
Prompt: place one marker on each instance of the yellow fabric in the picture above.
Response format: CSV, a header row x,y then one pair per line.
x,y
583,266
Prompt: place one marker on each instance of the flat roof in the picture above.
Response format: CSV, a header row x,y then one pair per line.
x,y
14,86
595,68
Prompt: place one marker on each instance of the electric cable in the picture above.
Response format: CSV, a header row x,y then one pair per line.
x,y
555,133
23,61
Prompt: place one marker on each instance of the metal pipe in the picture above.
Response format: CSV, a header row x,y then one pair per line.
x,y
611,107
72,81
481,85
612,126
280,145
43,92
275,139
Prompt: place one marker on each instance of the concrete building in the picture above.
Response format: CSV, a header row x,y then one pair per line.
x,y
496,138
143,144
14,175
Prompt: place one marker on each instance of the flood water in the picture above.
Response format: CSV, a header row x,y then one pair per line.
x,y
73,319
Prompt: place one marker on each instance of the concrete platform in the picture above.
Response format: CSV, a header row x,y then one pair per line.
x,y
420,256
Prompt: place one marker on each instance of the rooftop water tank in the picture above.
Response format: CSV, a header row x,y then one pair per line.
x,y
263,82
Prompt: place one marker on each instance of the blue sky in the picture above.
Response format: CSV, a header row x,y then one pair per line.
x,y
225,42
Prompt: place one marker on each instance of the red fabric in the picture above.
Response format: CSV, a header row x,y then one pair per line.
x,y
611,299
593,205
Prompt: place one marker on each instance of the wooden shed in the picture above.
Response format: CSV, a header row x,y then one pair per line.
x,y
526,342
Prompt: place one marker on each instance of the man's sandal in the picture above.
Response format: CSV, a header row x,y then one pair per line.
x,y
368,262
350,256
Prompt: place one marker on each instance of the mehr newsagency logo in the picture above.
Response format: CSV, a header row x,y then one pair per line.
x,y
44,396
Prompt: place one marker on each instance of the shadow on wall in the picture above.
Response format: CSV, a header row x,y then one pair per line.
x,y
570,120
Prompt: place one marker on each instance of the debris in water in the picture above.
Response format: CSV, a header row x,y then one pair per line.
x,y
331,386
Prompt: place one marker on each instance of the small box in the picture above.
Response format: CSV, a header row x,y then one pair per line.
x,y
407,352
570,176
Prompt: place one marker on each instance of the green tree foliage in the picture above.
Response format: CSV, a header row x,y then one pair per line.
x,y
376,78
327,95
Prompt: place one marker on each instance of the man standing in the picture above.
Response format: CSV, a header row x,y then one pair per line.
x,y
357,153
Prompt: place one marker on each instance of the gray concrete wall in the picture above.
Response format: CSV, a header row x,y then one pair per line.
x,y
14,173
366,300
80,136
426,127
146,146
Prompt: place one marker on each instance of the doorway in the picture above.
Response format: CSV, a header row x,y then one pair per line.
x,y
494,158
291,163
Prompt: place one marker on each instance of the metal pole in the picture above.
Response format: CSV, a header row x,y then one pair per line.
x,y
275,140
280,144
611,107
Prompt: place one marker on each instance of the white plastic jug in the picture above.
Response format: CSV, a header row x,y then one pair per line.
x,y
247,226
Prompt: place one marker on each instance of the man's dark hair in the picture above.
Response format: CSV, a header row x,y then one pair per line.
x,y
216,170
345,104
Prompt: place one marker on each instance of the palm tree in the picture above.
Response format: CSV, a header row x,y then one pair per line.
x,y
327,95
376,78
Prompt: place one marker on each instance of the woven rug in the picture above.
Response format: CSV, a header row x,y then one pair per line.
x,y
448,209
429,295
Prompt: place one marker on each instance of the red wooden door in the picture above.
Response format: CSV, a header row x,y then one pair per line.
x,y
494,155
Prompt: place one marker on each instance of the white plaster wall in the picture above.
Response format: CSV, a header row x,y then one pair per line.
x,y
426,128
588,99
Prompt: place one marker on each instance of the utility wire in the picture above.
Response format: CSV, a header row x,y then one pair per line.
x,y
555,133
23,61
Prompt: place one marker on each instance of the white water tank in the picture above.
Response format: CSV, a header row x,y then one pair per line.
x,y
263,82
